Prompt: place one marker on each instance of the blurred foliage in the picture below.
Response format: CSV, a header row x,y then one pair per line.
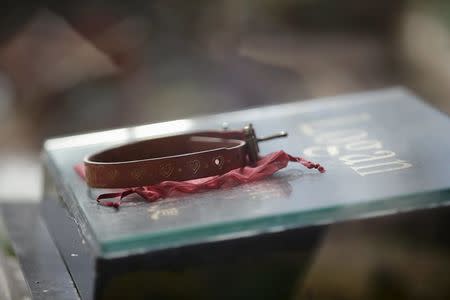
x,y
5,245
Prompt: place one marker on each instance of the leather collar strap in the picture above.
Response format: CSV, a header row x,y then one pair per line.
x,y
175,158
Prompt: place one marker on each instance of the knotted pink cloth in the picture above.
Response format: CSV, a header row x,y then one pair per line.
x,y
265,167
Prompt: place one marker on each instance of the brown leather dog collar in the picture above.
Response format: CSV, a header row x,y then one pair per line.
x,y
177,158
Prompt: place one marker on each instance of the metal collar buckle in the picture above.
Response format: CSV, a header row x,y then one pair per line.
x,y
252,141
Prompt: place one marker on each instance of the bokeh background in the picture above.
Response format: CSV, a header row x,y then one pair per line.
x,y
75,66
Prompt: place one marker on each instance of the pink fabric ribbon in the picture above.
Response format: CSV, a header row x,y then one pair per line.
x,y
265,167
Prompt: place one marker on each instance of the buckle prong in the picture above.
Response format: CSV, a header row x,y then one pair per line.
x,y
273,136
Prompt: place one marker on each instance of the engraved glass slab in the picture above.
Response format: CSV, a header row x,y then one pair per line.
x,y
385,152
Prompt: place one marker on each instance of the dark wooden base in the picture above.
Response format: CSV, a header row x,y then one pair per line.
x,y
44,270
262,268
265,266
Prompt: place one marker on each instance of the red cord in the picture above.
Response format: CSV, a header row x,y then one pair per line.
x,y
265,167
